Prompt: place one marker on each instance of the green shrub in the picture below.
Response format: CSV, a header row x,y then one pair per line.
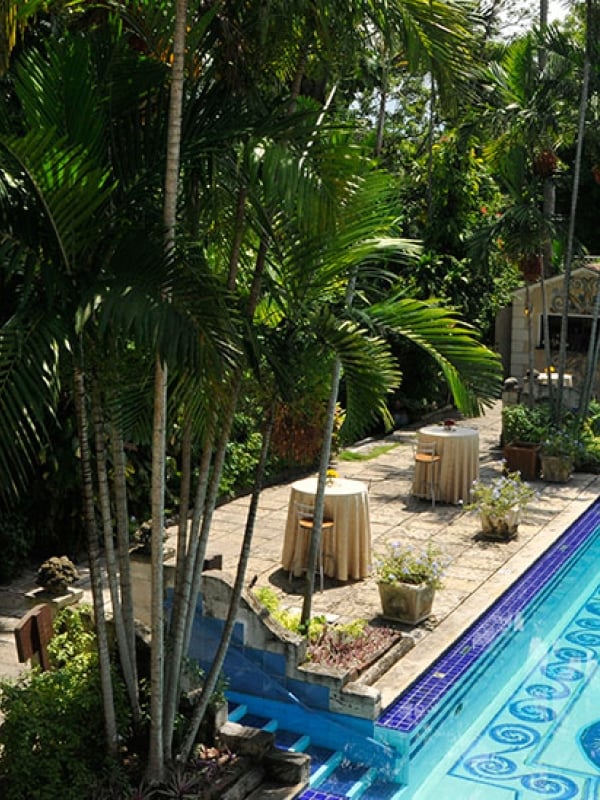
x,y
523,424
588,459
289,619
53,741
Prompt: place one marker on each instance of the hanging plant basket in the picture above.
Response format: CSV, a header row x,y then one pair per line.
x,y
531,267
545,163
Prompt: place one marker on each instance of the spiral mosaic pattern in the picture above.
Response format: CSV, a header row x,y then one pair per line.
x,y
531,712
586,638
562,672
514,746
572,653
545,691
490,766
556,786
589,623
517,736
593,607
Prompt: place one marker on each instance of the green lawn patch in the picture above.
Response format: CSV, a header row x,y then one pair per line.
x,y
379,450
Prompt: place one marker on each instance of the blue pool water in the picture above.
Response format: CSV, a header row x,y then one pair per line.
x,y
510,712
524,720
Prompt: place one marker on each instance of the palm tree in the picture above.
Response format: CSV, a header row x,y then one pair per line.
x,y
283,197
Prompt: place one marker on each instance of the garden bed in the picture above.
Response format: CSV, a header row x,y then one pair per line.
x,y
352,651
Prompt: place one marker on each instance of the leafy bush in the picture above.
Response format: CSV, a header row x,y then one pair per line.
x,y
53,740
588,457
523,424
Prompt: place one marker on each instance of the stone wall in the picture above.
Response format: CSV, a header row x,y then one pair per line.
x,y
268,660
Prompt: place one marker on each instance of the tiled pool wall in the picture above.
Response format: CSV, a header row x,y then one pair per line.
x,y
409,715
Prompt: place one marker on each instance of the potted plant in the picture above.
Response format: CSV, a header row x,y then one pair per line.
x,y
407,578
523,429
558,453
500,504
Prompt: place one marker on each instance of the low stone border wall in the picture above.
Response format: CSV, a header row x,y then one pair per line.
x,y
269,660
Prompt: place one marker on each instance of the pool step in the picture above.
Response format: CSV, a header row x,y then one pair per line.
x,y
332,775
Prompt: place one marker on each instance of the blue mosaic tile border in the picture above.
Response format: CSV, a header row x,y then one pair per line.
x,y
415,704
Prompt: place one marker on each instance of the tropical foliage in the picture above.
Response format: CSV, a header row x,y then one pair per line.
x,y
195,212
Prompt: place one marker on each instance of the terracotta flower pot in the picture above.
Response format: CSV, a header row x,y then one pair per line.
x,y
406,602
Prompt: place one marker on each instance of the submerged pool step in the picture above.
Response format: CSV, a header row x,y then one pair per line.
x,y
332,775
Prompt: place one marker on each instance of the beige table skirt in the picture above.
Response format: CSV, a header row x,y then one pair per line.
x,y
459,465
347,552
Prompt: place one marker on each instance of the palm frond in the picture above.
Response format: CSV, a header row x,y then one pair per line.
x,y
69,188
28,392
472,371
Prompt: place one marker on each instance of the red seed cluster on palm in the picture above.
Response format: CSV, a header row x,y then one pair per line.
x,y
545,163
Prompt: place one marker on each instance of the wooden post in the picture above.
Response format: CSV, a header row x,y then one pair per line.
x,y
32,635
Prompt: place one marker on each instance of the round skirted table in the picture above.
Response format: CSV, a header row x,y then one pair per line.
x,y
347,550
458,447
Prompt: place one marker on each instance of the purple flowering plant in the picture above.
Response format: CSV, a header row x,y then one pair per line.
x,y
410,564
507,492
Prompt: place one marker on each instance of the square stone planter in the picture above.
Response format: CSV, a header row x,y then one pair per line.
x,y
406,602
556,469
500,528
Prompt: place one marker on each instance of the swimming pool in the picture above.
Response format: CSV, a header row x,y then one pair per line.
x,y
513,708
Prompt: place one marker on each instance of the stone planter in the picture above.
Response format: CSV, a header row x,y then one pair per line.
x,y
501,527
56,600
406,602
556,469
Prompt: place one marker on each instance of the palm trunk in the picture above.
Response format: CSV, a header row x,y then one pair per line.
x,y
191,552
315,539
226,423
109,553
530,354
382,106
110,721
156,754
562,361
123,545
240,578
547,342
591,363
186,549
